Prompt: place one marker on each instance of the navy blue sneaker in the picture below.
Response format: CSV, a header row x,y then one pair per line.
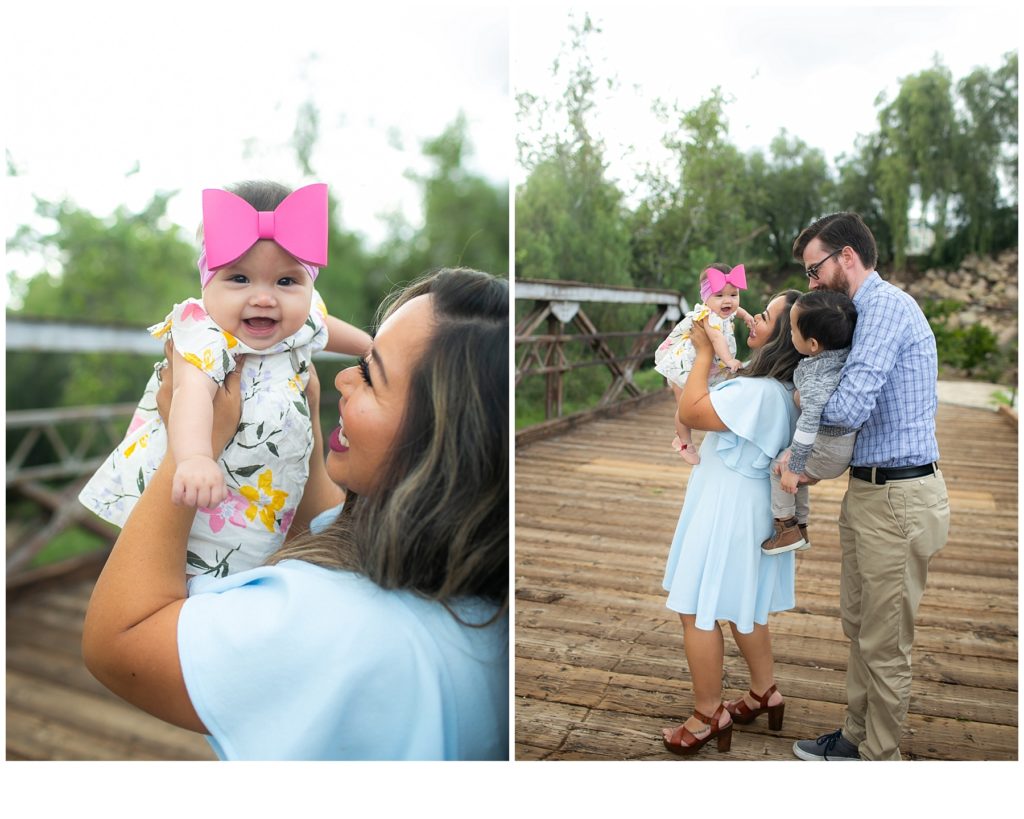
x,y
832,747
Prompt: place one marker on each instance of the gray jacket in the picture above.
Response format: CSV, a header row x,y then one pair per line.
x,y
816,377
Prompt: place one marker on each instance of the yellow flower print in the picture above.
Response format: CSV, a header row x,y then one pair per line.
x,y
230,339
321,308
206,364
141,443
264,501
162,331
295,383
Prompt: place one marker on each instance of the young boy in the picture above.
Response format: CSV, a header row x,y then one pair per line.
x,y
822,327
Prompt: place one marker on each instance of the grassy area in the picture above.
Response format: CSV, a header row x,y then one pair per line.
x,y
531,410
69,543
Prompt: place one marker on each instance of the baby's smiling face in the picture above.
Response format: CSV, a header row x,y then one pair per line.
x,y
724,302
262,298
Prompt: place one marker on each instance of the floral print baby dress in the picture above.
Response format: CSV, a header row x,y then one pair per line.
x,y
675,356
265,465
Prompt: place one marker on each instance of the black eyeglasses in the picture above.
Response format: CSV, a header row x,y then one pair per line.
x,y
812,271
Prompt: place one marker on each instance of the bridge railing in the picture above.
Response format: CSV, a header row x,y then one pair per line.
x,y
557,322
52,453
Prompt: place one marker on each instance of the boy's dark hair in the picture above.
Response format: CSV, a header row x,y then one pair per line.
x,y
839,230
827,316
777,358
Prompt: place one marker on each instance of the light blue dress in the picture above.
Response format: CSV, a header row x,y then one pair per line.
x,y
299,662
716,569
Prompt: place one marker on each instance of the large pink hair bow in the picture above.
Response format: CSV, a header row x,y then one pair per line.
x,y
715,280
299,225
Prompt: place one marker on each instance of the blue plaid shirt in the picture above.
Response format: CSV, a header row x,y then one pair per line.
x,y
888,386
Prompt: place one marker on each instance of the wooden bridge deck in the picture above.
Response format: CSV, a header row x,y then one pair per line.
x,y
600,667
56,710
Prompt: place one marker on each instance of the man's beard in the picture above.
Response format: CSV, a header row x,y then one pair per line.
x,y
838,284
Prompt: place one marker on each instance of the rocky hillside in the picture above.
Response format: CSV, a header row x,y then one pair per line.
x,y
987,287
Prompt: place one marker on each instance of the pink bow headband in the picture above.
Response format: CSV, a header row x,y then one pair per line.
x,y
715,281
231,226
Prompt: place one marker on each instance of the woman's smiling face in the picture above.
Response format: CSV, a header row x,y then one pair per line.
x,y
374,396
764,323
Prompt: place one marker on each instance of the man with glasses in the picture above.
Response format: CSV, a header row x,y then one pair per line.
x,y
895,514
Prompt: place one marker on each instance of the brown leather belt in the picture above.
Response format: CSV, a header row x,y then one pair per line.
x,y
879,475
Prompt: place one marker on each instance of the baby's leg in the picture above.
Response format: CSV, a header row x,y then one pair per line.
x,y
686,447
828,459
830,456
783,504
803,510
684,438
787,534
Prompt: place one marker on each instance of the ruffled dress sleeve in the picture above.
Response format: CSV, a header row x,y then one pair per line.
x,y
198,339
761,417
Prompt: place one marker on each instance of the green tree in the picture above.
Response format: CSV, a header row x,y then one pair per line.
x,y
783,194
986,158
570,219
128,268
857,189
465,216
693,215
918,132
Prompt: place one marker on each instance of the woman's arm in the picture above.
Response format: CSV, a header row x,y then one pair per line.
x,y
346,339
130,638
695,408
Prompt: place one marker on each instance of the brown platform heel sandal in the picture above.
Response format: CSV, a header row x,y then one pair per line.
x,y
743,714
689,744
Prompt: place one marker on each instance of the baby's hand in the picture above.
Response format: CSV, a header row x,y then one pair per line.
x,y
198,481
747,318
790,481
733,365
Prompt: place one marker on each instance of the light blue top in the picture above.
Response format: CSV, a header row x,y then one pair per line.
x,y
296,661
888,389
716,569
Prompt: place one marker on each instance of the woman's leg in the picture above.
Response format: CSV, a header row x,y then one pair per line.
x,y
705,652
756,648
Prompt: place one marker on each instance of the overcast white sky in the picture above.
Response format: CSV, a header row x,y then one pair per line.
x,y
814,69
202,94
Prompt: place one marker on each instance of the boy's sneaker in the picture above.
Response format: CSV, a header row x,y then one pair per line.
x,y
787,537
832,747
805,536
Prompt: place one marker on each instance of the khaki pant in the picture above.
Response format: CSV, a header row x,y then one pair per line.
x,y
888,535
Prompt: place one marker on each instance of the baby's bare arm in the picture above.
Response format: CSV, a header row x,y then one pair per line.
x,y
345,338
198,480
721,347
745,317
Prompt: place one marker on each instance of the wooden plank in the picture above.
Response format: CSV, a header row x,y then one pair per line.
x,y
55,708
600,666
103,716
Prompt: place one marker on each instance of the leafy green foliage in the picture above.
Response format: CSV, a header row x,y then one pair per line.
x,y
570,220
973,350
944,150
131,268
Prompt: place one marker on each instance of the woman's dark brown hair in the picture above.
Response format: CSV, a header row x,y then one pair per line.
x,y
438,523
777,358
